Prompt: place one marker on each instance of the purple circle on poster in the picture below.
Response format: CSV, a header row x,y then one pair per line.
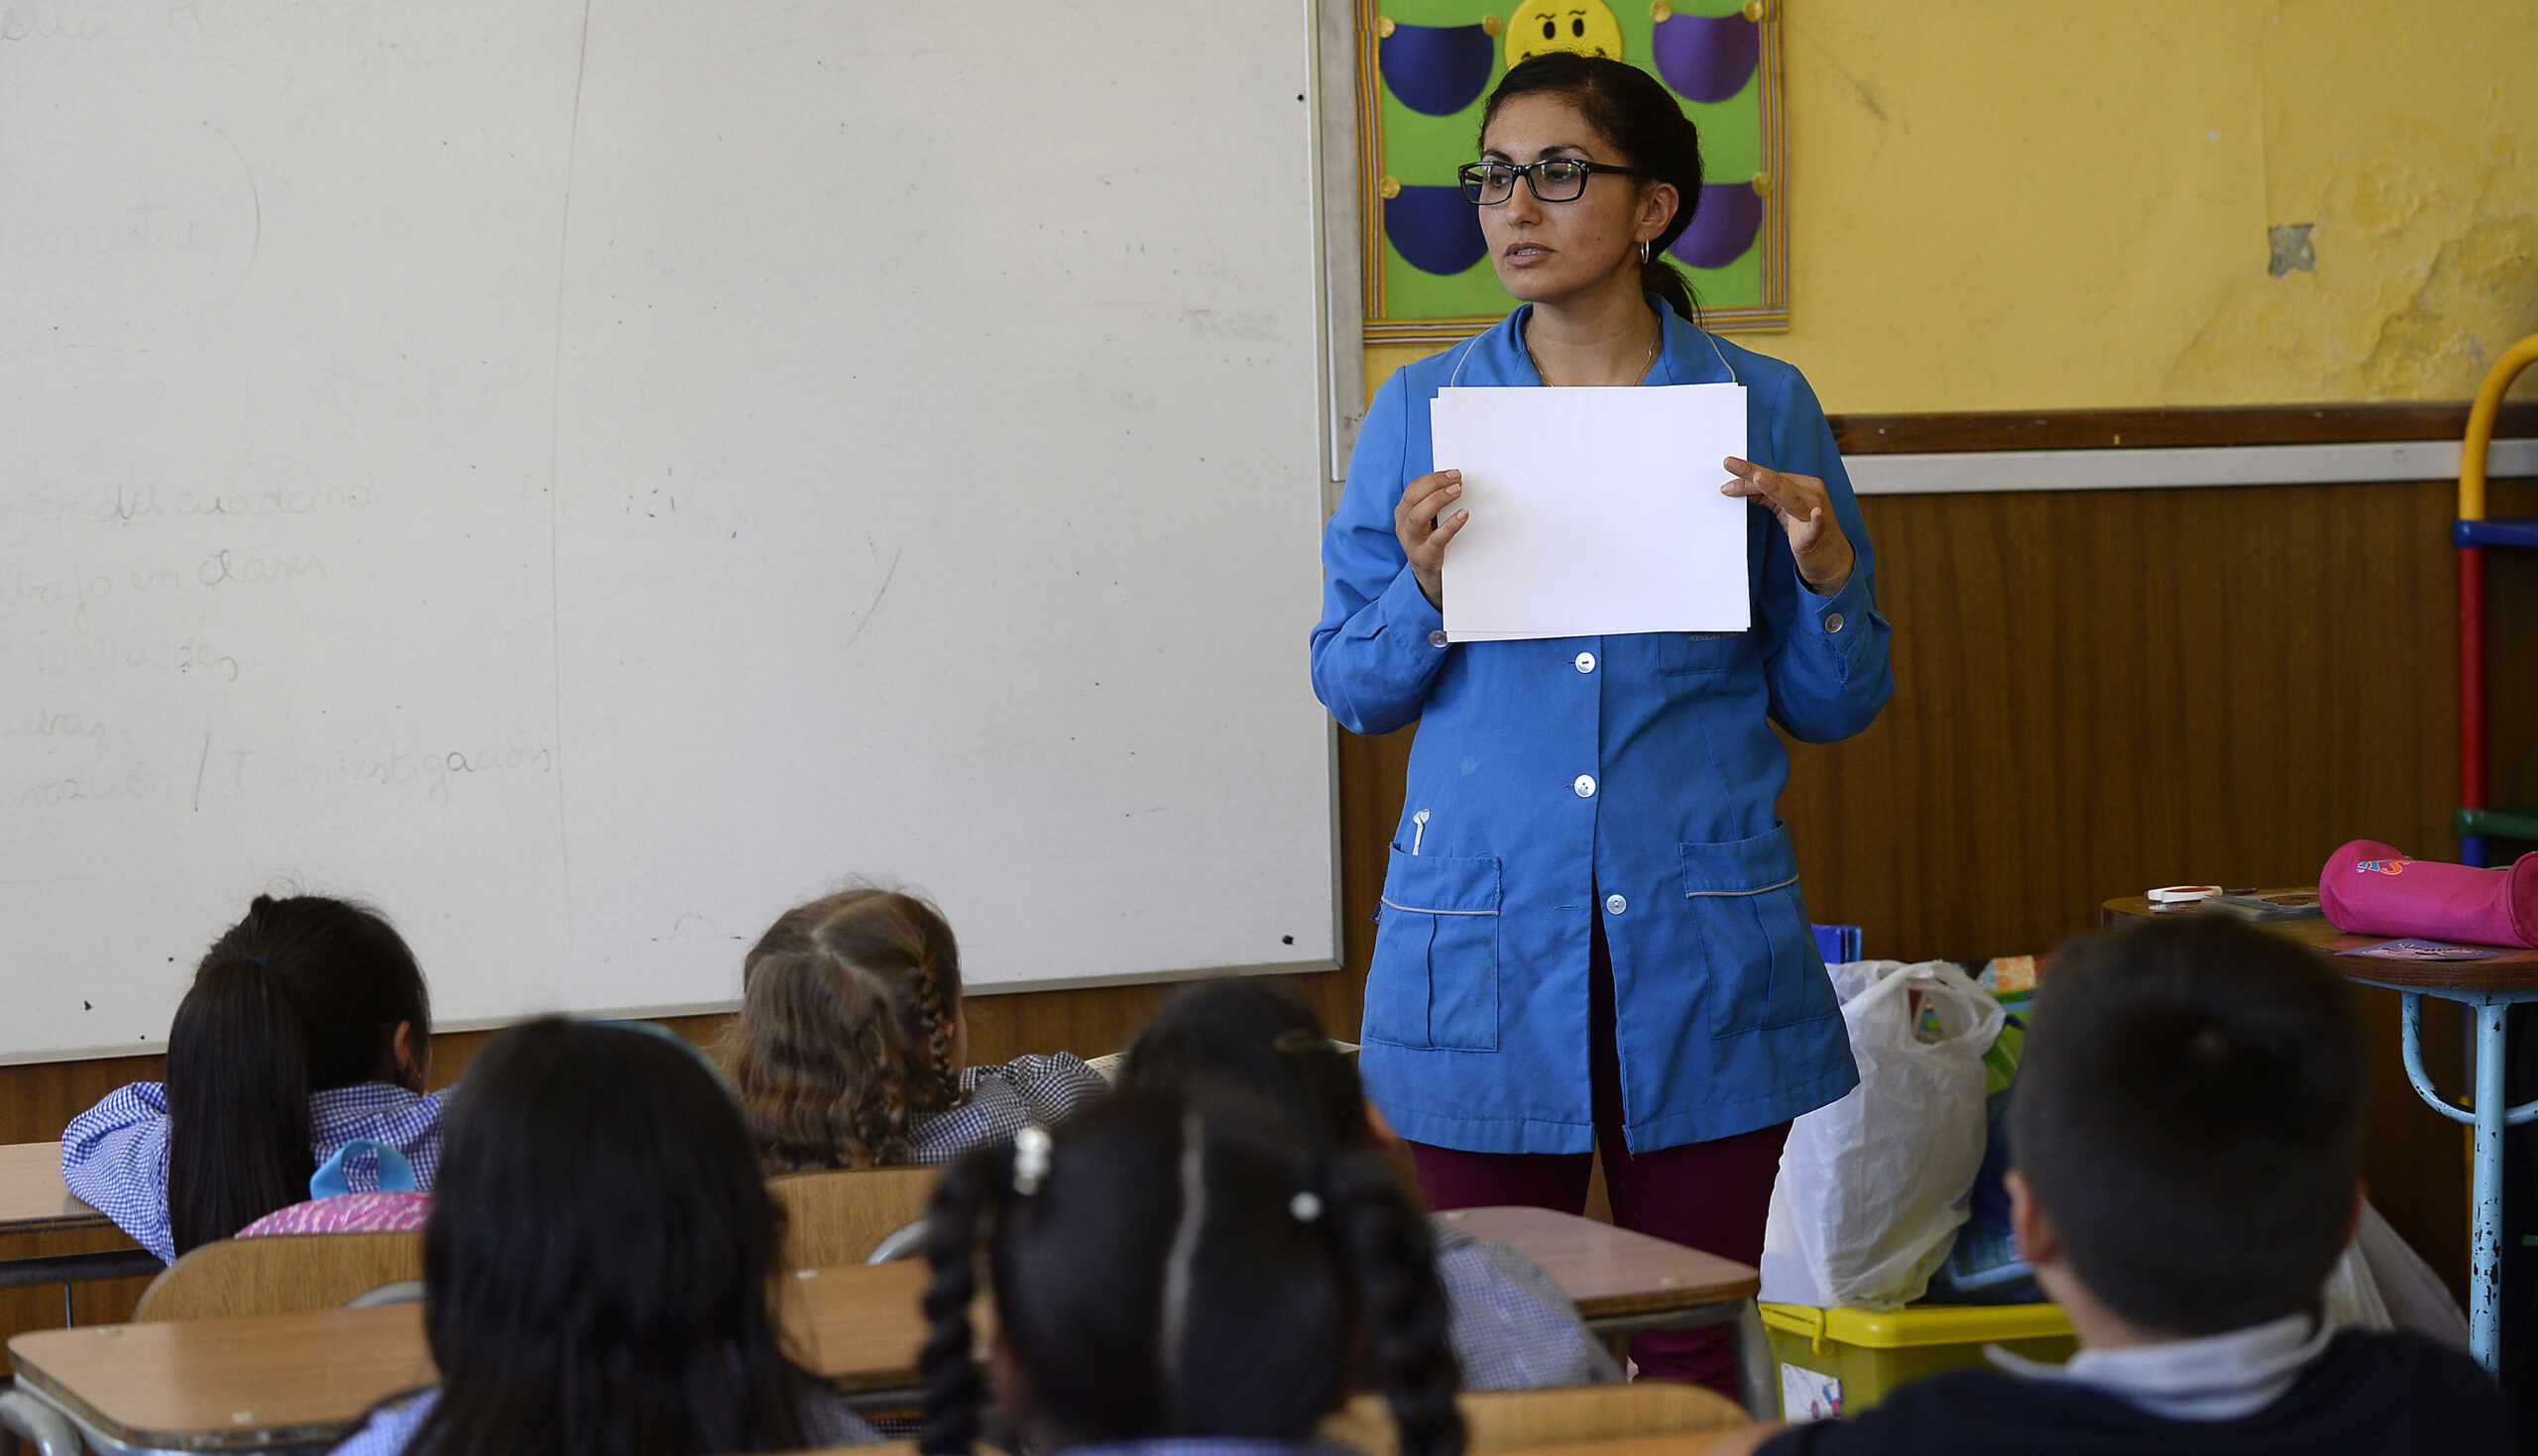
x,y
1723,226
1437,69
1708,57
1436,229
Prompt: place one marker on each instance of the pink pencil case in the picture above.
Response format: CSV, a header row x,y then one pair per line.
x,y
2372,890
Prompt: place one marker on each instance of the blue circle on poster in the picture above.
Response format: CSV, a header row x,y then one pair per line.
x,y
1437,69
1722,227
1708,57
1435,229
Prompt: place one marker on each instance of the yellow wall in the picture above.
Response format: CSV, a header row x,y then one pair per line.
x,y
2063,205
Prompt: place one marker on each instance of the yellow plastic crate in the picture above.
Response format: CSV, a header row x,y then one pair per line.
x,y
1850,1359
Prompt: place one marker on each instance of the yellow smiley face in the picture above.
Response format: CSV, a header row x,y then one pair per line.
x,y
1587,27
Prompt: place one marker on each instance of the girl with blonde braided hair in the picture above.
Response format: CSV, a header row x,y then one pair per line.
x,y
850,1049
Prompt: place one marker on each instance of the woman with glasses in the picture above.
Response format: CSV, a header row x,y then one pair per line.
x,y
1591,932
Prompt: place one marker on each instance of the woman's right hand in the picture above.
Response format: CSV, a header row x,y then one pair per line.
x,y
1425,521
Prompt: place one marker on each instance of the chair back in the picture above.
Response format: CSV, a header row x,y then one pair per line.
x,y
837,1216
280,1274
1505,1420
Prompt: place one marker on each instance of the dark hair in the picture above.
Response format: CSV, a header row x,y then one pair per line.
x,y
1155,1214
1254,1039
301,997
846,1011
2188,1116
1635,112
596,1263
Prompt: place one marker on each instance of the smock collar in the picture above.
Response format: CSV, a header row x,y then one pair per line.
x,y
1497,356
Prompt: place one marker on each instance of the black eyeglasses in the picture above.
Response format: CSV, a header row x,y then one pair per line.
x,y
1553,178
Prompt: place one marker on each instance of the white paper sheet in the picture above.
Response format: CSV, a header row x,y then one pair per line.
x,y
1593,511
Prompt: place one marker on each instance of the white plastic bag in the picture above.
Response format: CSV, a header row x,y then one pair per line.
x,y
1873,1188
2381,1283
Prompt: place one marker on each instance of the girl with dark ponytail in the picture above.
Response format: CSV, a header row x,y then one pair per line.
x,y
852,1051
1179,1276
1591,858
307,1027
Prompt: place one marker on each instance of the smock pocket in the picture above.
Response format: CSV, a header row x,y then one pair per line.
x,y
1435,981
1751,924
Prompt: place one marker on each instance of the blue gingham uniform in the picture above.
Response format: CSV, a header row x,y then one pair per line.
x,y
827,1420
114,1155
999,1101
1510,1327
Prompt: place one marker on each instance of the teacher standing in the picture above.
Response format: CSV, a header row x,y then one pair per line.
x,y
1591,932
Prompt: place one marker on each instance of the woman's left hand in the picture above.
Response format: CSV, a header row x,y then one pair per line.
x,y
1805,511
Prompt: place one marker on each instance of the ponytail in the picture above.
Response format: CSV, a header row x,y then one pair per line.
x,y
238,1144
304,995
1404,1312
1641,118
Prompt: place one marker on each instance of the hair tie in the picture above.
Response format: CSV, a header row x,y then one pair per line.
x,y
261,963
1032,1150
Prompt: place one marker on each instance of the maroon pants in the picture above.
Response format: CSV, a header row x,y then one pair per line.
x,y
1708,1195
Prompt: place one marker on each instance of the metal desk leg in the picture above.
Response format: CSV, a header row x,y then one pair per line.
x,y
31,1420
2489,1116
1756,1374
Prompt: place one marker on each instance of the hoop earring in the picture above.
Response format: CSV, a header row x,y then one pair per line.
x,y
1643,252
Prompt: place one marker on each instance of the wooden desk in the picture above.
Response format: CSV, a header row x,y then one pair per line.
x,y
1626,1283
1612,1275
35,1200
33,1197
2511,969
2491,986
221,1385
274,1380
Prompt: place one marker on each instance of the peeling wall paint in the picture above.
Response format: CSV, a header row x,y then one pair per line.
x,y
2058,205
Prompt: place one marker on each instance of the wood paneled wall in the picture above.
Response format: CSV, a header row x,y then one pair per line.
x,y
2102,691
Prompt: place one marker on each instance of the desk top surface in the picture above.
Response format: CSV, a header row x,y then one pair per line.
x,y
33,1197
285,1379
2511,969
1609,1272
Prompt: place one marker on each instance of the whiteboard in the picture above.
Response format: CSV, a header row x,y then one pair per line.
x,y
587,476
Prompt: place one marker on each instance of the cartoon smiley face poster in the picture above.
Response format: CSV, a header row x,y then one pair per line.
x,y
1424,68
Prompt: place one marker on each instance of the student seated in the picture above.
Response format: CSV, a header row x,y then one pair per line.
x,y
598,1266
850,1049
2186,1140
307,1026
1180,1277
1511,1326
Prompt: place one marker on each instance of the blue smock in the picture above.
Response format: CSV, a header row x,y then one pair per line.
x,y
1634,777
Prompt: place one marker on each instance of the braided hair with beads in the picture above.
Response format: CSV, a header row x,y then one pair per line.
x,y
1163,1267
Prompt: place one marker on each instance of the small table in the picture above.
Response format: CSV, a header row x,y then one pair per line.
x,y
2491,986
1627,1283
35,1200
304,1378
